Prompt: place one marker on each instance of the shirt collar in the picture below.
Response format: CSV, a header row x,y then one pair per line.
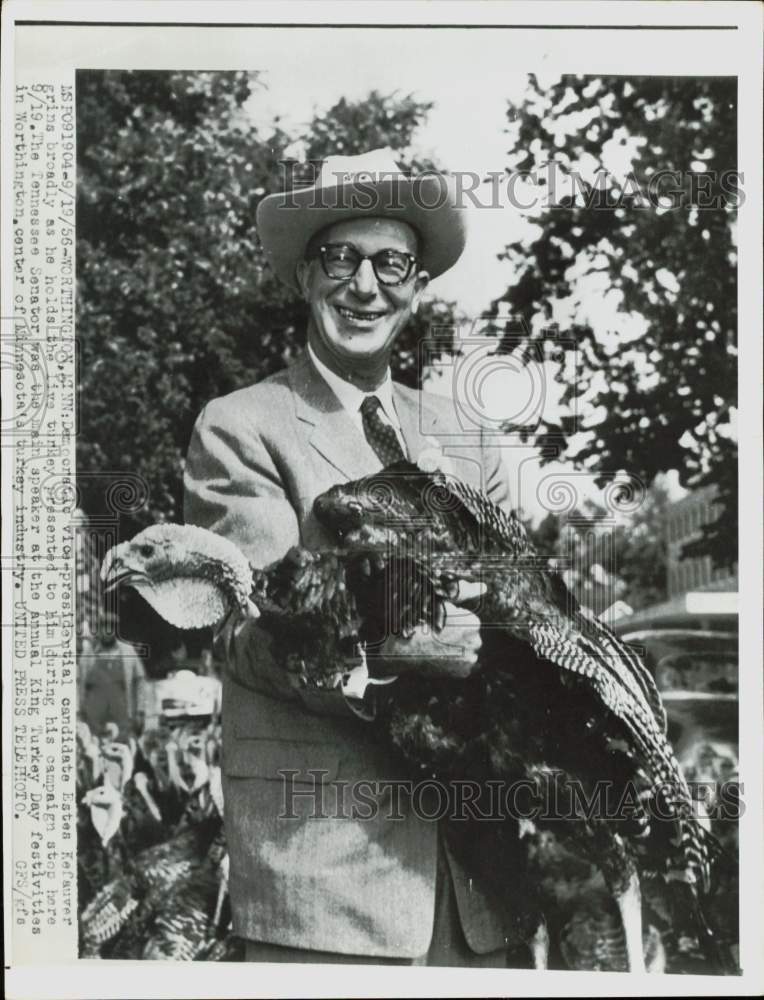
x,y
350,396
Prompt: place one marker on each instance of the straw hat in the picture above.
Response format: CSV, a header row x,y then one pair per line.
x,y
368,185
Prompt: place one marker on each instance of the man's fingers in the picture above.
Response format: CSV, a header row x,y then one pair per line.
x,y
432,459
468,590
461,618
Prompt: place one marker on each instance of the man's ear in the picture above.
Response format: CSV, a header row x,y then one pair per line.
x,y
421,281
302,276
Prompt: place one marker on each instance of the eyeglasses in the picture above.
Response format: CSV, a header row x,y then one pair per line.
x,y
341,262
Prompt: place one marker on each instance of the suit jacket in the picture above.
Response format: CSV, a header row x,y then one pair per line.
x,y
305,870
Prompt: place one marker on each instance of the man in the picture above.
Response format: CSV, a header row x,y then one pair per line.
x,y
311,881
111,683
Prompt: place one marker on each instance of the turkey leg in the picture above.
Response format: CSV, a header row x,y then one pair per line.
x,y
539,945
629,900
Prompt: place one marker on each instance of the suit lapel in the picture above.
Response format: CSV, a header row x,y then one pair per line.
x,y
418,422
329,428
334,435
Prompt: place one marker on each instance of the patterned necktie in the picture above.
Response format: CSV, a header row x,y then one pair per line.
x,y
381,436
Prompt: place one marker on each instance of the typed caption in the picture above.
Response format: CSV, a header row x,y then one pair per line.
x,y
38,427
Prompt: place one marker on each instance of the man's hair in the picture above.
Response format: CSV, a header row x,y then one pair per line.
x,y
317,240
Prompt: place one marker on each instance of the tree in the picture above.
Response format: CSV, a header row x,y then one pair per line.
x,y
175,303
662,392
546,534
349,128
169,312
641,550
605,560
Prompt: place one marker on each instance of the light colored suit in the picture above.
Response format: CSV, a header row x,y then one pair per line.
x,y
257,460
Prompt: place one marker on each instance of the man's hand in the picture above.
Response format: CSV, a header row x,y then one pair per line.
x,y
432,459
452,652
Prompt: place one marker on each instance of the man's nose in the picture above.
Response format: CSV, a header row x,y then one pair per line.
x,y
364,282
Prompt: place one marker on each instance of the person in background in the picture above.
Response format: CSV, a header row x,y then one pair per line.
x,y
112,681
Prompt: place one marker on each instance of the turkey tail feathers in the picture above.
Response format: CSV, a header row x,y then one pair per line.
x,y
505,530
620,679
625,664
654,749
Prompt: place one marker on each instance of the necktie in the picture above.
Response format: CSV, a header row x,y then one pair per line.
x,y
380,435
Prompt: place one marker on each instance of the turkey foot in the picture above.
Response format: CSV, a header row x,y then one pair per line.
x,y
629,900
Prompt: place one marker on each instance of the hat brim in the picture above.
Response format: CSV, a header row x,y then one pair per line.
x,y
287,221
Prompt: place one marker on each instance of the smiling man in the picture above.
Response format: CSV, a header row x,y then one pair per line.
x,y
361,297
312,879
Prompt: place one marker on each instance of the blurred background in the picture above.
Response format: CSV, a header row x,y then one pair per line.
x,y
593,331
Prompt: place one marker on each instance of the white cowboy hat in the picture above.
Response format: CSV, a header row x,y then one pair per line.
x,y
370,184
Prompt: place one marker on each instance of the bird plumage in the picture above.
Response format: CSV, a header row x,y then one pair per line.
x,y
556,693
466,534
152,862
604,682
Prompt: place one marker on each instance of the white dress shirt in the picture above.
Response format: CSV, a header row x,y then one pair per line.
x,y
351,397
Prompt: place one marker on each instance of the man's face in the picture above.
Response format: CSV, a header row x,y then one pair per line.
x,y
357,320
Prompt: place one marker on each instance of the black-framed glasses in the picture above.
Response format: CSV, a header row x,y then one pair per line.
x,y
341,262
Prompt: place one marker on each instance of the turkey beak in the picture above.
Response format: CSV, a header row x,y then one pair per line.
x,y
114,569
111,567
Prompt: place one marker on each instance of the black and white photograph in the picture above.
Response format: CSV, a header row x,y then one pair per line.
x,y
408,521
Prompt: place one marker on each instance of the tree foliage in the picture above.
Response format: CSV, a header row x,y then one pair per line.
x,y
175,303
349,128
664,387
605,560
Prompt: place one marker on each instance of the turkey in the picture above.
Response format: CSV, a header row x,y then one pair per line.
x,y
523,714
607,719
152,859
310,600
134,914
